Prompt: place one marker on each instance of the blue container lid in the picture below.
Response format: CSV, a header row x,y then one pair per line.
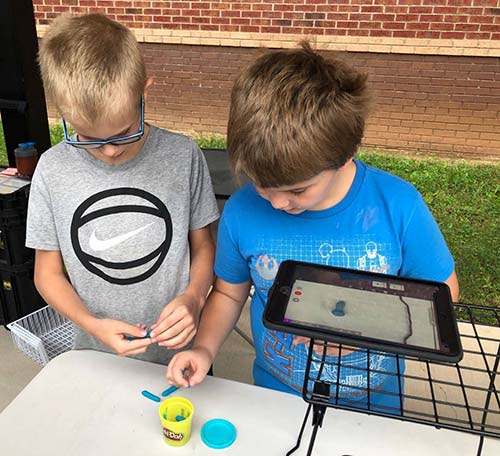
x,y
26,145
218,433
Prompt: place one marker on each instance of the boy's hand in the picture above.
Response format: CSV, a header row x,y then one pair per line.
x,y
318,349
188,368
112,333
177,323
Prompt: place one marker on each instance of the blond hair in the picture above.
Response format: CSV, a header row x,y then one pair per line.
x,y
92,68
294,114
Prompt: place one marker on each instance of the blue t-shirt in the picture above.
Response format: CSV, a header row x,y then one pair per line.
x,y
381,225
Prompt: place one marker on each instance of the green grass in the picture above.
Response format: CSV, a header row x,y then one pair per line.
x,y
463,196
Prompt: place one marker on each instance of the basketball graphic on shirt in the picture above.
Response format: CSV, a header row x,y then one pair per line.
x,y
122,235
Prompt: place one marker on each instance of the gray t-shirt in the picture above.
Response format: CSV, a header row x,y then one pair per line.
x,y
123,229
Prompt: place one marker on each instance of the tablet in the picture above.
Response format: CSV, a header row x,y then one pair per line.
x,y
365,309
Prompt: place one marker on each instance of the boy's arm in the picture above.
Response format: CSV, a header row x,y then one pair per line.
x,y
452,282
201,273
177,323
219,317
56,290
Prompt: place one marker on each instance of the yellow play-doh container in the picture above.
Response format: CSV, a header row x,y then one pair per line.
x,y
176,415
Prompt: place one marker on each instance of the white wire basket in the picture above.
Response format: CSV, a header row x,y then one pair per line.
x,y
42,335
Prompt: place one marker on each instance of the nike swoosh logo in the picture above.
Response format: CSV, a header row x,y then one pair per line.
x,y
99,245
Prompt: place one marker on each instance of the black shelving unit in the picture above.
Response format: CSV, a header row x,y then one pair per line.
x,y
463,397
18,295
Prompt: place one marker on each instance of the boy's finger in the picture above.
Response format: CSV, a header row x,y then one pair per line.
x,y
137,344
179,341
132,330
183,343
166,331
197,377
165,314
173,336
175,369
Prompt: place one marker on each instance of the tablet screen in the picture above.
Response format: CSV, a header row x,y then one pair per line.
x,y
381,309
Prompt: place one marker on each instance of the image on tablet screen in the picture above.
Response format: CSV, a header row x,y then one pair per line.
x,y
386,312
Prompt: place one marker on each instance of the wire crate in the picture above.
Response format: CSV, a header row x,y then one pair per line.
x,y
42,335
463,396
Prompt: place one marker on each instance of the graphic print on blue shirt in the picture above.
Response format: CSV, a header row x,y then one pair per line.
x,y
279,356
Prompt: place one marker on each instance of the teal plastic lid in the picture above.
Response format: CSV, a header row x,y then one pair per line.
x,y
218,433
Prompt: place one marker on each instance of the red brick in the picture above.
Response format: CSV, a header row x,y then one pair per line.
x,y
371,9
489,28
477,36
338,31
452,35
431,17
239,21
394,25
445,10
61,9
420,10
403,34
371,25
380,33
418,26
441,26
229,28
249,29
270,29
386,17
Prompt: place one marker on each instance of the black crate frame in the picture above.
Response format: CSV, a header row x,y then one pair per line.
x,y
18,294
481,418
13,250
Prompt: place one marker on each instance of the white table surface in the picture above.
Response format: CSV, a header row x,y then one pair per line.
x,y
89,403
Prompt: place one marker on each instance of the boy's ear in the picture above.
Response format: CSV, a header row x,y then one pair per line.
x,y
149,83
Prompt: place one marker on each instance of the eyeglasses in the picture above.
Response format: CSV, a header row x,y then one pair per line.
x,y
115,141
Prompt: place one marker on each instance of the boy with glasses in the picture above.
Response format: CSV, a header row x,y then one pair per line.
x,y
120,212
295,123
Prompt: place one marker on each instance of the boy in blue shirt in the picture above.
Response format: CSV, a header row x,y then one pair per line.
x,y
295,123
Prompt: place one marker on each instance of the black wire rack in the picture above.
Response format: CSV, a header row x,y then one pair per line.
x,y
463,397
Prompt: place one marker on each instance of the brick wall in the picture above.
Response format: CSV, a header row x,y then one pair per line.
x,y
440,19
434,64
446,106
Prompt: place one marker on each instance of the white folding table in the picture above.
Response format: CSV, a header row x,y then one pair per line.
x,y
89,403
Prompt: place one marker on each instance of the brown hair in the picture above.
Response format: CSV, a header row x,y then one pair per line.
x,y
293,115
92,67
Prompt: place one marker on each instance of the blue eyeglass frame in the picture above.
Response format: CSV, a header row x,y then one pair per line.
x,y
101,142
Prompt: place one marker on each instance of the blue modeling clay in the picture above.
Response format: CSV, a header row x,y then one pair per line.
x,y
150,396
179,418
339,309
148,334
169,390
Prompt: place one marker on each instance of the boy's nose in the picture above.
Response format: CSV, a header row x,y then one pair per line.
x,y
109,149
279,202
